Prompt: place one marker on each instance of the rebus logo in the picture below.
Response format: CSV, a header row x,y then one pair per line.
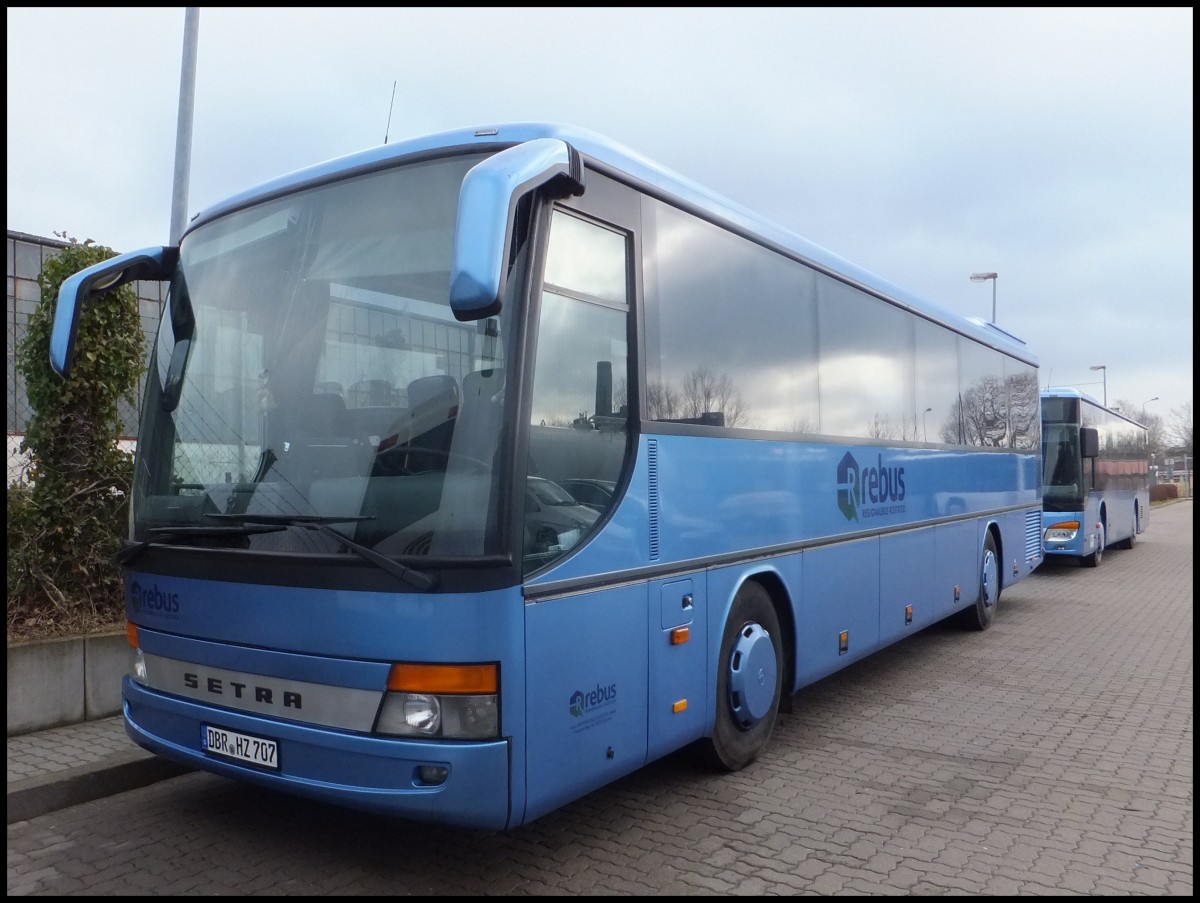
x,y
581,701
849,494
881,488
153,600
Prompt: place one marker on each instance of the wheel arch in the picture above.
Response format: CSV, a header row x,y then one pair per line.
x,y
781,600
997,534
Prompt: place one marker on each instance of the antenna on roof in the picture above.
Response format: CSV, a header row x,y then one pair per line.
x,y
388,128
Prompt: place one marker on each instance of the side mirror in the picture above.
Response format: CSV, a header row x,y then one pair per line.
x,y
153,264
1089,442
487,204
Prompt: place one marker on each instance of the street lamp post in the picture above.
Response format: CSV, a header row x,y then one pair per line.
x,y
985,277
1144,403
1104,373
925,432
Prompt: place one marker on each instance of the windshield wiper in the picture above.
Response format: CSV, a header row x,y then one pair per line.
x,y
174,535
320,523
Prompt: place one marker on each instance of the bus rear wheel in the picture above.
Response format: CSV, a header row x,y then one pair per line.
x,y
981,615
749,681
1133,531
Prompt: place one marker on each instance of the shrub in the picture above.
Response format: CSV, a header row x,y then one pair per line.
x,y
66,524
1161,492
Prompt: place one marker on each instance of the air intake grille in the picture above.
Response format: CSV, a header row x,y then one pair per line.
x,y
1033,535
652,467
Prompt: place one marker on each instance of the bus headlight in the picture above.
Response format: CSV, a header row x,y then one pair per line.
x,y
449,702
1064,531
442,717
137,661
137,666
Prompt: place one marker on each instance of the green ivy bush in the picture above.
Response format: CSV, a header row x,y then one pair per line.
x,y
66,521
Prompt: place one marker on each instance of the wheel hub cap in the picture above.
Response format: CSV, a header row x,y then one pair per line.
x,y
752,673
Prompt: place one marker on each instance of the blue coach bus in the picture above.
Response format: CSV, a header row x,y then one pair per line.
x,y
353,572
1096,467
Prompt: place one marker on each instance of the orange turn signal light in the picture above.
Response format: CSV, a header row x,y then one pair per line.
x,y
407,677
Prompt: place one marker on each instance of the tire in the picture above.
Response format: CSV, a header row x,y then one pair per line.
x,y
749,681
981,615
1133,532
1093,560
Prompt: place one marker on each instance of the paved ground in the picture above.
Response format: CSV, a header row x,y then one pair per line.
x,y
65,766
1052,757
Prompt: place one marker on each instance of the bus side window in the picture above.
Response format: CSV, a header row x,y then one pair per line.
x,y
579,430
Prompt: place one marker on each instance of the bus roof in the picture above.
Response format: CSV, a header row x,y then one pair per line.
x,y
1071,392
629,166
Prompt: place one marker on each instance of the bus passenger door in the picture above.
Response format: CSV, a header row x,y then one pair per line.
x,y
585,693
678,664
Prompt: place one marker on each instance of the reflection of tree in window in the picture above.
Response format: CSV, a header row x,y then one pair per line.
x,y
1024,410
884,427
703,396
662,402
705,392
983,410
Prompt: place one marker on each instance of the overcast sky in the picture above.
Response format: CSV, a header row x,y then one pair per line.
x,y
1051,146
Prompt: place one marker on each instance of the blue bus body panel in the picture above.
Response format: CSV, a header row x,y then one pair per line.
x,y
1122,513
335,623
586,693
346,640
1085,541
843,567
370,773
743,506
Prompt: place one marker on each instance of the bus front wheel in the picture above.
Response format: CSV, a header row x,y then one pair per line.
x,y
1093,560
981,615
749,681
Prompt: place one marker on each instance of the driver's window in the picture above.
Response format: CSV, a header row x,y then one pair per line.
x,y
580,408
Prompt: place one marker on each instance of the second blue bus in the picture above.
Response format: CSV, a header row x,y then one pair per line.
x,y
1096,469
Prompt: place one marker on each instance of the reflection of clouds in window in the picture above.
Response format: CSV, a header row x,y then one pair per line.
x,y
862,395
936,382
573,337
751,321
586,258
220,239
733,316
866,365
785,398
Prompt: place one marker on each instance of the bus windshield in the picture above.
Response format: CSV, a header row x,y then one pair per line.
x,y
309,368
1061,464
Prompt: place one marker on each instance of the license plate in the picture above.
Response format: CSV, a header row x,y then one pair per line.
x,y
231,745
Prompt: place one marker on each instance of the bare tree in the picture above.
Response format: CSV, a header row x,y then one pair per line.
x,y
705,391
1156,438
662,402
1179,428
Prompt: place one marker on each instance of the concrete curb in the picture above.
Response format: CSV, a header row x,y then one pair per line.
x,y
35,796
